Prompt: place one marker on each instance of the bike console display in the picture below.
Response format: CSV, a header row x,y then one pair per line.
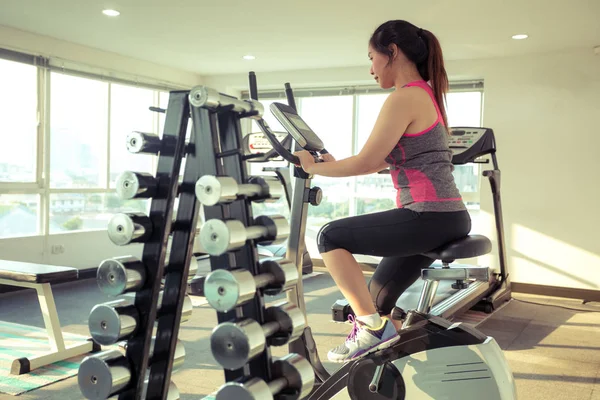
x,y
295,125
468,143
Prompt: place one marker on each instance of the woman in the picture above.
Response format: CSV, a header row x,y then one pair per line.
x,y
410,137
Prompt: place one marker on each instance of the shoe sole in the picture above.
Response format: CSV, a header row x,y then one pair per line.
x,y
381,346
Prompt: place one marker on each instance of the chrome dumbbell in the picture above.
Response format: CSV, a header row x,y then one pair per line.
x,y
293,376
119,275
106,374
227,289
212,190
233,344
127,228
136,185
117,320
143,143
218,237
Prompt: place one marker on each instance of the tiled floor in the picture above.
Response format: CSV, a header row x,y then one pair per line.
x,y
554,352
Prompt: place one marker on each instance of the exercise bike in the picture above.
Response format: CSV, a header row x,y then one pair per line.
x,y
433,358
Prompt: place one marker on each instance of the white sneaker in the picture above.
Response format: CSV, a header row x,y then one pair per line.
x,y
364,340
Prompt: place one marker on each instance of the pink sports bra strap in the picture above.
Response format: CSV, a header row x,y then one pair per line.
x,y
425,86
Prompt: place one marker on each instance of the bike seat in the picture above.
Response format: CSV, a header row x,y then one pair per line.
x,y
466,247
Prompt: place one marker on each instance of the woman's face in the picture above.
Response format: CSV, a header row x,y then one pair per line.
x,y
380,69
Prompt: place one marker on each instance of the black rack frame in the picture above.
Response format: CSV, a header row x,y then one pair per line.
x,y
172,152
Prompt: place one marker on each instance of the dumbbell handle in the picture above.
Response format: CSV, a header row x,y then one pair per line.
x,y
249,189
270,328
277,385
262,280
256,231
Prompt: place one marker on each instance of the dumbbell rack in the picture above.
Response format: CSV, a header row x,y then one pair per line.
x,y
154,231
217,128
214,148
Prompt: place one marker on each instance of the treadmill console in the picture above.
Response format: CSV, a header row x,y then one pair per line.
x,y
257,142
468,144
295,125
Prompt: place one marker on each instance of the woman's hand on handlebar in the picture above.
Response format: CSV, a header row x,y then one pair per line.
x,y
327,157
307,160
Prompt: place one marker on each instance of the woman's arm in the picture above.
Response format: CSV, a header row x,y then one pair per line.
x,y
381,167
395,116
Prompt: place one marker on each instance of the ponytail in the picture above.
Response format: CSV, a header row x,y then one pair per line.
x,y
433,70
422,48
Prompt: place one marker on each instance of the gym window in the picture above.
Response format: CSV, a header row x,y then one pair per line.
x,y
65,148
20,168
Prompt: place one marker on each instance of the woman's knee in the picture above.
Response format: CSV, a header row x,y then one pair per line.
x,y
326,238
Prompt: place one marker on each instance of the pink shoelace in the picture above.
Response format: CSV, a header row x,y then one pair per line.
x,y
355,328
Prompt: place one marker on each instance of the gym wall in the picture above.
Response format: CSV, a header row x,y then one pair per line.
x,y
543,110
90,60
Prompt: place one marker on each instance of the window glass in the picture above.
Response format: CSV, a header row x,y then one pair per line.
x,y
18,124
78,132
19,215
464,109
374,192
129,111
331,119
89,211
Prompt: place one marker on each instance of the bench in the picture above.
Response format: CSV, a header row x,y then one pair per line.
x,y
40,277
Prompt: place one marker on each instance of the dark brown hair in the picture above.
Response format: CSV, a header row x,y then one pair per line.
x,y
419,46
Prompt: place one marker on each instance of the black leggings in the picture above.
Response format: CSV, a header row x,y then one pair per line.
x,y
399,236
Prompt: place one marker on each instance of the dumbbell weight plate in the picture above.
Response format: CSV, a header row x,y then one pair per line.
x,y
140,142
285,272
270,185
119,275
128,228
251,389
226,289
233,344
103,374
278,228
291,320
111,322
217,236
130,185
211,190
298,372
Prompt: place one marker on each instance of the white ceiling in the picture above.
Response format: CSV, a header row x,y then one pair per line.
x,y
210,37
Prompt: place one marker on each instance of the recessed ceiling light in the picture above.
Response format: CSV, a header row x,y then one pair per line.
x,y
111,13
520,37
249,57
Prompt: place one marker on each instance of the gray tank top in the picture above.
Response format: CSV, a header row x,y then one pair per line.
x,y
421,167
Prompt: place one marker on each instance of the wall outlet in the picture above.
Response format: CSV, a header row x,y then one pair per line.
x,y
57,249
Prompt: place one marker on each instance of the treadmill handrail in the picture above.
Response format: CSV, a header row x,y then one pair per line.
x,y
277,146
